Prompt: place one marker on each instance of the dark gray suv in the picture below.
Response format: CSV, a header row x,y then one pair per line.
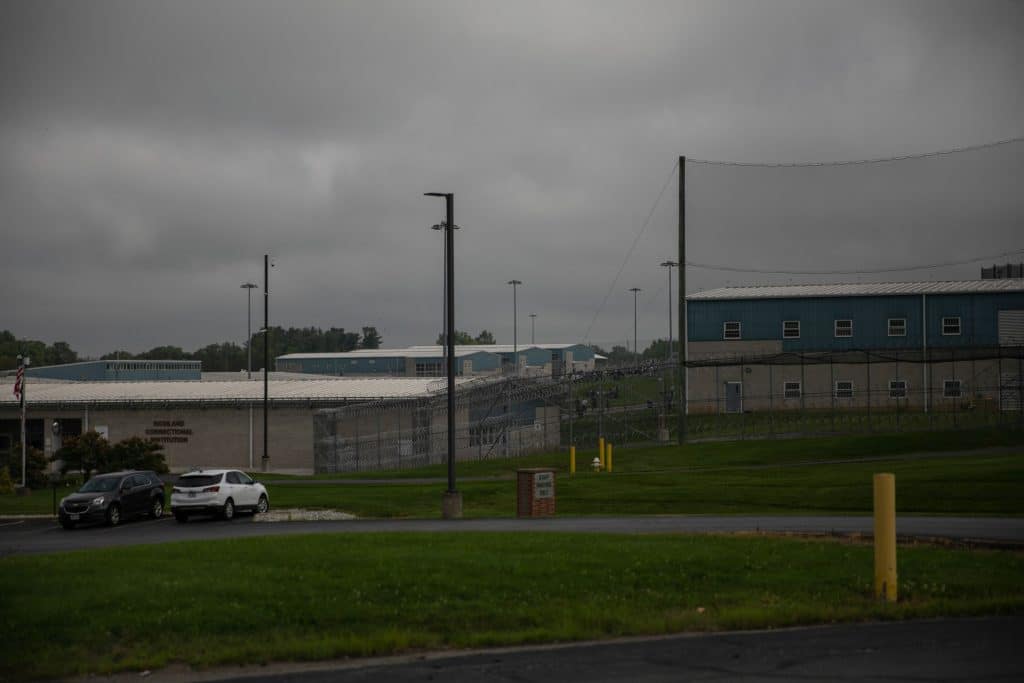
x,y
112,497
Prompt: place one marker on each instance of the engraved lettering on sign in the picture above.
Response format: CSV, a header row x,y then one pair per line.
x,y
544,485
169,431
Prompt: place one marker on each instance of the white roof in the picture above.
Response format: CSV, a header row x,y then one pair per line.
x,y
860,289
320,390
414,352
463,348
499,348
257,376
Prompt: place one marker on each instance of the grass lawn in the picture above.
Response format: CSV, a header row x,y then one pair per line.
x,y
720,478
318,597
706,478
968,485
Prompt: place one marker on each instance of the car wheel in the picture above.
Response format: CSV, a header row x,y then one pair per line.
x,y
67,524
228,511
181,517
114,514
157,510
263,505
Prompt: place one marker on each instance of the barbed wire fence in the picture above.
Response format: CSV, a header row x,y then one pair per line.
x,y
636,404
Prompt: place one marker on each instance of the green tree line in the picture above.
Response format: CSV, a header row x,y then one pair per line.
x,y
222,357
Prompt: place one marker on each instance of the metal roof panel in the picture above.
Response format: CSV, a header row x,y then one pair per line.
x,y
859,289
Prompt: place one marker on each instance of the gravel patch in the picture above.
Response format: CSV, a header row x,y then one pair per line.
x,y
300,515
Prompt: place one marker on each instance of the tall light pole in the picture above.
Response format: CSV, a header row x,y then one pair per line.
x,y
515,324
451,503
533,328
248,286
670,265
636,350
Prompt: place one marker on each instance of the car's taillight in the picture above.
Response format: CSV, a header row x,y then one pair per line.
x,y
211,489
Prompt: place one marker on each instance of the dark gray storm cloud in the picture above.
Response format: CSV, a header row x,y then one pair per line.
x,y
151,153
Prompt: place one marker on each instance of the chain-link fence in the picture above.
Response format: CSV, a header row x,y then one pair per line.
x,y
787,394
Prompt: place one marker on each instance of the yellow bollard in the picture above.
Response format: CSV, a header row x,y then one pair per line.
x,y
600,451
572,460
609,454
885,536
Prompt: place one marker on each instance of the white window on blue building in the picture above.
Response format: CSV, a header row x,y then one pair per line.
x,y
951,326
844,328
731,330
791,389
790,329
843,389
952,388
898,388
897,327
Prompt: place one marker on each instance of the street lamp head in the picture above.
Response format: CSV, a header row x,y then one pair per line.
x,y
669,264
249,285
515,282
436,194
635,290
442,225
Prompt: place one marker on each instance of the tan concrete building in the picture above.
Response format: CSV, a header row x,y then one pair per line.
x,y
199,423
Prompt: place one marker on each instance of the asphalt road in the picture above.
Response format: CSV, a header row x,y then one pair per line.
x,y
976,649
45,536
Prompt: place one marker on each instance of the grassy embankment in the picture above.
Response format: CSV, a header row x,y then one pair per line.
x,y
316,597
708,478
721,478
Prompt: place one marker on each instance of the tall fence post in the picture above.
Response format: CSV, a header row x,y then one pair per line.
x,y
832,391
867,354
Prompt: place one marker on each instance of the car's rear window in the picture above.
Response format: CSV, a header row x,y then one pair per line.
x,y
191,480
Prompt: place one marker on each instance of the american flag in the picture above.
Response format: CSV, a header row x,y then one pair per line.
x,y
19,379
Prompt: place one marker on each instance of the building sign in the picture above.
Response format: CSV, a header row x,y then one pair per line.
x,y
543,485
169,431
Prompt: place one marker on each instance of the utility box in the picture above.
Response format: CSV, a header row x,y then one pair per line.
x,y
535,492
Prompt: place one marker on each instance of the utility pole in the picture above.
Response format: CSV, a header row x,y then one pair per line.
x,y
248,287
19,387
636,348
266,355
670,265
681,366
533,328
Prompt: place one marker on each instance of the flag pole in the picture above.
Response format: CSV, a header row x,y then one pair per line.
x,y
20,387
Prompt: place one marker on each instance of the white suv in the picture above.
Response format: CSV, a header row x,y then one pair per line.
x,y
217,492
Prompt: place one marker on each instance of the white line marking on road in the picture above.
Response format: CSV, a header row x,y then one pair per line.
x,y
20,521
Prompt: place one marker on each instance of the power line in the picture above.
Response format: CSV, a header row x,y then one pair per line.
x,y
854,162
611,288
870,271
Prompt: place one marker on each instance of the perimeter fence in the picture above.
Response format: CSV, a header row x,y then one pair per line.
x,y
736,397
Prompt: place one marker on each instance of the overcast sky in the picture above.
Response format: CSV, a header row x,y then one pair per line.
x,y
152,152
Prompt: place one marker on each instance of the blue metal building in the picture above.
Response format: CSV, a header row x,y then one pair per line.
x,y
535,356
912,315
120,370
426,362
934,345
